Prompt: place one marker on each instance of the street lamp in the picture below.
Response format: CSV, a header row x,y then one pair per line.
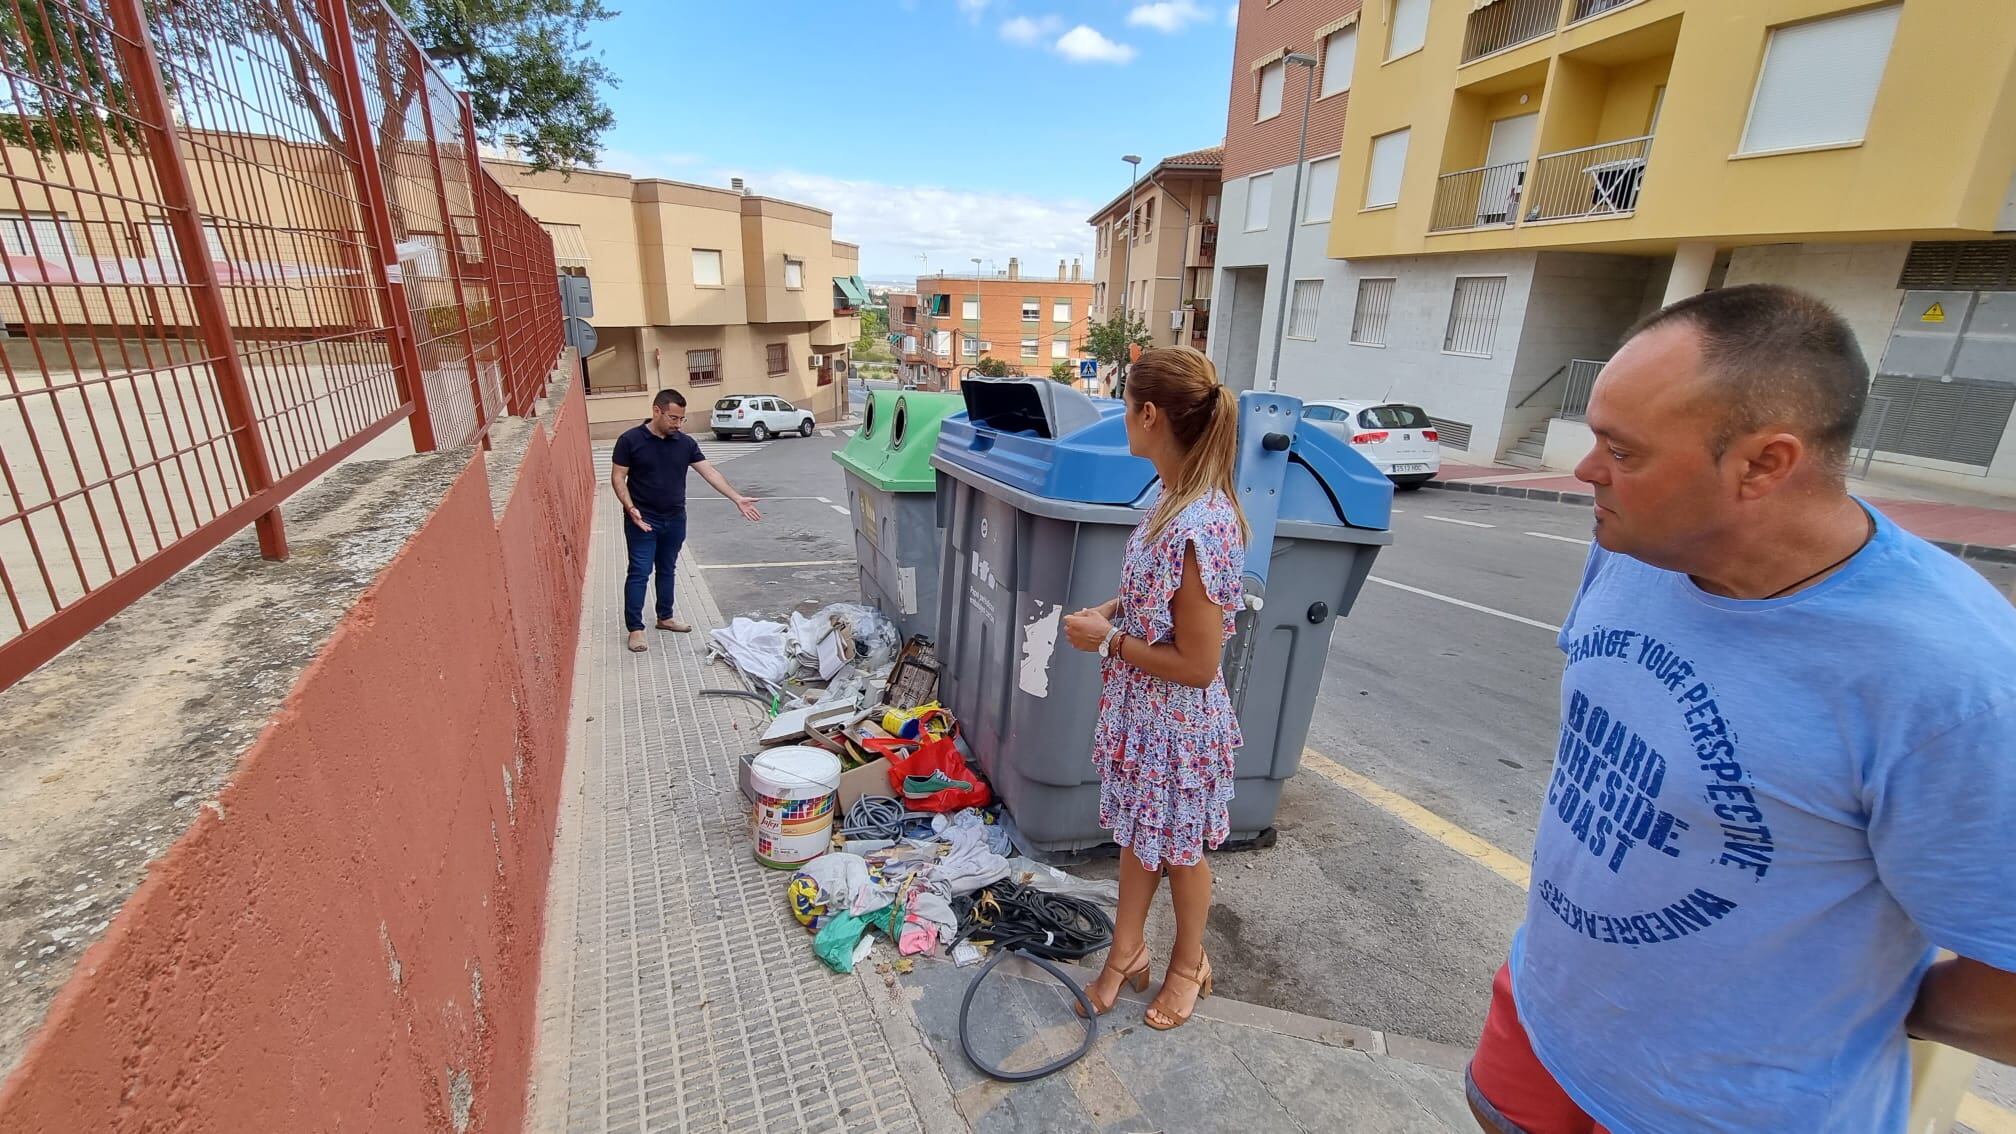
x,y
1308,64
1127,278
976,313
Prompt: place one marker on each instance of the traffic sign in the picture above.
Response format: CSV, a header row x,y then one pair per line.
x,y
1088,368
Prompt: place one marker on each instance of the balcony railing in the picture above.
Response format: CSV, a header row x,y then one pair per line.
x,y
1207,243
1508,23
1582,374
1593,181
1471,198
1587,8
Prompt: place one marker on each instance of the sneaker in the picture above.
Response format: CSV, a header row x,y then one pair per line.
x,y
920,787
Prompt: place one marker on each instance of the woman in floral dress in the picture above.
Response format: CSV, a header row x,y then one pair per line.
x,y
1166,735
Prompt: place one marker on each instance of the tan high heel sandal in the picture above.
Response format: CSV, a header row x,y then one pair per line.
x,y
1137,977
1199,976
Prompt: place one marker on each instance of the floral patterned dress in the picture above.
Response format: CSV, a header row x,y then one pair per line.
x,y
1164,751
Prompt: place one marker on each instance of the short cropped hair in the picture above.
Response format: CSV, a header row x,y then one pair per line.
x,y
668,398
1776,357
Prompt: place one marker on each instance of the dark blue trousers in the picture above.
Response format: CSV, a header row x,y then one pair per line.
x,y
657,549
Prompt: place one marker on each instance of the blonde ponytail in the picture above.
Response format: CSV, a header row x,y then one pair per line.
x,y
1204,417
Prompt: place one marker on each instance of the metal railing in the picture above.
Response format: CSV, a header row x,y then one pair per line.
x,y
1601,180
1587,8
1471,198
1582,374
1508,23
257,237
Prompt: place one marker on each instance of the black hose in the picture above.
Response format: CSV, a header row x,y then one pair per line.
x,y
1039,927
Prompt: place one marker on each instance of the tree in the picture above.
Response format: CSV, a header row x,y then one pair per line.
x,y
1063,372
997,368
527,68
874,338
1108,341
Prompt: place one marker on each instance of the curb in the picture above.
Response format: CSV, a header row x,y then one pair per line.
x,y
1981,552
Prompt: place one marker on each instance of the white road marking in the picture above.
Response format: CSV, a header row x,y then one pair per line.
x,y
842,510
823,499
825,433
762,566
1467,605
1559,538
847,433
1465,523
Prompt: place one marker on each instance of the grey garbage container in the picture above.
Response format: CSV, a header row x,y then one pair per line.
x,y
1037,495
889,487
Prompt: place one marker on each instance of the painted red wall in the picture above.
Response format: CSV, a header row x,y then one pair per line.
x,y
249,983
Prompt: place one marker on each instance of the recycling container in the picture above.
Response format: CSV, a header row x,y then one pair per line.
x,y
890,484
1037,496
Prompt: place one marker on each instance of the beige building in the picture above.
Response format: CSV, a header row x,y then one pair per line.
x,y
703,290
1167,272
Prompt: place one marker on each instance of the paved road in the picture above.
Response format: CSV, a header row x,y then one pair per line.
x,y
1441,691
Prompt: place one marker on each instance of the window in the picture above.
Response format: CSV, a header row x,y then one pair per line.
x,y
794,274
780,359
969,309
1302,305
1032,310
1819,81
969,345
1322,199
1259,201
1031,348
1272,78
1318,413
706,267
1368,318
1473,315
49,236
213,242
1395,416
703,367
941,344
910,313
1408,29
1148,218
1060,348
1340,55
786,407
1060,311
1382,177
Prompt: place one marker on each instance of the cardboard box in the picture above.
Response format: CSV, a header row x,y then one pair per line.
x,y
871,778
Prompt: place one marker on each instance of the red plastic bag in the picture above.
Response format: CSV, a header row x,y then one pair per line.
x,y
937,756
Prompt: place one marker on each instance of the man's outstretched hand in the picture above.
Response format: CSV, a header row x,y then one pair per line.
x,y
748,507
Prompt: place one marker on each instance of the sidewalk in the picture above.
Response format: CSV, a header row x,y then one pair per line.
x,y
678,994
1972,525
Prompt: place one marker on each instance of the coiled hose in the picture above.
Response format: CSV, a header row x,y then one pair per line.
x,y
1040,928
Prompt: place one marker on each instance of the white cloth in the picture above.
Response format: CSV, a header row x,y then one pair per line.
x,y
972,863
844,882
756,648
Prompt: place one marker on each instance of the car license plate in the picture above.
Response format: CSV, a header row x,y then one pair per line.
x,y
1410,468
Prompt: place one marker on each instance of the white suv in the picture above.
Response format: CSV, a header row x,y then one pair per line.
x,y
1399,439
758,417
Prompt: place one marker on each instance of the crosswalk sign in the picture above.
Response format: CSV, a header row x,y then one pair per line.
x,y
1088,368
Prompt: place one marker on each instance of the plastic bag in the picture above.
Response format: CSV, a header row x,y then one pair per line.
x,y
1050,880
937,756
756,648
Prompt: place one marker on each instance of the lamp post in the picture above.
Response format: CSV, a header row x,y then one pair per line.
x,y
1127,278
976,313
1308,64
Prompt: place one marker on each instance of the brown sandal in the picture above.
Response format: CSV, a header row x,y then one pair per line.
x,y
1136,976
637,645
1199,976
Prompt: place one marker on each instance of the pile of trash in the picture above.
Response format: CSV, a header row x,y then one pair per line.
x,y
838,653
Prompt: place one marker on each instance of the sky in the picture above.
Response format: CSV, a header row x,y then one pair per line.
x,y
933,130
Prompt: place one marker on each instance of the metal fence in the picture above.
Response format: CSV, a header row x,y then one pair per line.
x,y
1498,24
242,239
1470,198
1582,374
1592,181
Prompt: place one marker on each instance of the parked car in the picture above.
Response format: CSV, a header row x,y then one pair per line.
x,y
1399,439
759,417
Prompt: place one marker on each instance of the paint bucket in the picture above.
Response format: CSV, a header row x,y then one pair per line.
x,y
797,790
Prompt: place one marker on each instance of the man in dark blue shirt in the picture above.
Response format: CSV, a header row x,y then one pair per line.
x,y
648,472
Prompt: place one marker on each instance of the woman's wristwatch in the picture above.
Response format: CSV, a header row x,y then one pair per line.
x,y
1106,644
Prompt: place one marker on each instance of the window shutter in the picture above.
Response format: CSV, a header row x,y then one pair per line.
x,y
1819,81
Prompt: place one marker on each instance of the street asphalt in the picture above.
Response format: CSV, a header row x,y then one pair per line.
x,y
1441,690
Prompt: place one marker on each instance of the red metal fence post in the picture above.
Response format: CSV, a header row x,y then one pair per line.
x,y
450,253
178,197
388,277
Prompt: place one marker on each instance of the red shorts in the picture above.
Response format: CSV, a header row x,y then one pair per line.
x,y
1506,1082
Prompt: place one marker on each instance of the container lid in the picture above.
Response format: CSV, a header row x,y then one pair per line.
x,y
799,766
896,455
1045,438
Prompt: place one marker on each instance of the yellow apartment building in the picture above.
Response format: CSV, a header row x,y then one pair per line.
x,y
1171,219
1519,180
699,289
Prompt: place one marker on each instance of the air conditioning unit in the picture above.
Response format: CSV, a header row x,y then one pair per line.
x,y
1176,320
817,360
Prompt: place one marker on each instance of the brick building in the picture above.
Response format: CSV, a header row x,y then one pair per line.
x,y
1029,323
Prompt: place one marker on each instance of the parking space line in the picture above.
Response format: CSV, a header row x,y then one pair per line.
x,y
1468,605
1465,523
1470,846
763,566
1559,538
823,499
842,510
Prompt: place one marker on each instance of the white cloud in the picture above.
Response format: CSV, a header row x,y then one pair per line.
x,y
1084,45
1168,16
896,224
1232,16
1028,32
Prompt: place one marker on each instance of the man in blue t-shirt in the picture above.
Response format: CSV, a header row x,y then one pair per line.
x,y
1786,771
648,472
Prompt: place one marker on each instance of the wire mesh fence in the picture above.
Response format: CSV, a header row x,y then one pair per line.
x,y
241,239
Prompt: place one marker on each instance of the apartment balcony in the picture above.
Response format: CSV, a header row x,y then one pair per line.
x,y
1498,24
1476,198
1592,182
1196,330
1588,9
1207,244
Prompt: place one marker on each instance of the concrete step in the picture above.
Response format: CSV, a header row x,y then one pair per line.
x,y
1523,460
1529,447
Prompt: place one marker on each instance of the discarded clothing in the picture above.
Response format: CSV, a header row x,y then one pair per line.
x,y
756,648
971,863
919,936
845,883
932,906
836,942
